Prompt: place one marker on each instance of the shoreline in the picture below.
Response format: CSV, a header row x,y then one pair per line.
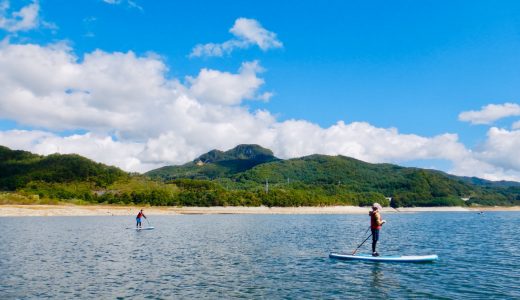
x,y
12,210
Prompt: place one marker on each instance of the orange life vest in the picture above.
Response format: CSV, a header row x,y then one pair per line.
x,y
375,220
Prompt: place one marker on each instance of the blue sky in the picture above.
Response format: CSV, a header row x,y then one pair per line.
x,y
404,70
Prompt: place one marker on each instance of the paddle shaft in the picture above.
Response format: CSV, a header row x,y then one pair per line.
x,y
361,244
367,230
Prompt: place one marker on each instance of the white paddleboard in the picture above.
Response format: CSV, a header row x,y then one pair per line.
x,y
142,228
386,258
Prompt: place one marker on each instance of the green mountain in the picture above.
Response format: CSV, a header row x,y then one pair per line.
x,y
489,183
18,168
245,175
341,176
217,164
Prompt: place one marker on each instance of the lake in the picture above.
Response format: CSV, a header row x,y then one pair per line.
x,y
259,256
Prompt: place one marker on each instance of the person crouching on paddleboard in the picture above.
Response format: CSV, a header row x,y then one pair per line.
x,y
138,218
375,224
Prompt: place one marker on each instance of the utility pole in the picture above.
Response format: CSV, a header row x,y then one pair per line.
x,y
267,186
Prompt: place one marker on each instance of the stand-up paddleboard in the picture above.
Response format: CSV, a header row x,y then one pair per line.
x,y
386,258
142,228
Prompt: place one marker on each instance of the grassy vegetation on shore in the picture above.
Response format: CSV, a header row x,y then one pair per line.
x,y
13,198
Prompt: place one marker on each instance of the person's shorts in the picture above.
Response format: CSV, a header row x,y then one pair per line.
x,y
375,235
138,220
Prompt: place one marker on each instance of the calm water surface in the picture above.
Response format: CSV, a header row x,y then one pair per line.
x,y
258,256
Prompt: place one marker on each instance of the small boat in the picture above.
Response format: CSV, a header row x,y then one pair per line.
x,y
386,258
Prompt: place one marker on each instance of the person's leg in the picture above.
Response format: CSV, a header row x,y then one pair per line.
x,y
375,238
374,241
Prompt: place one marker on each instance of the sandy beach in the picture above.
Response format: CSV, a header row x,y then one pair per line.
x,y
107,210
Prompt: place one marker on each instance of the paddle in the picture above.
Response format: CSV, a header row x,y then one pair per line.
x,y
148,222
367,230
383,222
353,253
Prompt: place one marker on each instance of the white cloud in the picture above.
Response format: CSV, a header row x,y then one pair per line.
x,y
212,49
265,96
24,19
134,4
252,32
130,3
23,139
129,96
99,148
103,92
362,141
226,88
490,113
247,32
89,23
501,148
137,118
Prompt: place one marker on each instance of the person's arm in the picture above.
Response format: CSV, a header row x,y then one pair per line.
x,y
145,216
378,220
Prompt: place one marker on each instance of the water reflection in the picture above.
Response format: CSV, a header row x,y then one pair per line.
x,y
377,277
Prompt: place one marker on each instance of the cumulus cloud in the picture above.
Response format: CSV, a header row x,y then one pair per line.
x,y
122,93
490,113
226,88
97,147
23,139
129,97
250,31
137,118
363,141
501,148
48,87
24,19
247,32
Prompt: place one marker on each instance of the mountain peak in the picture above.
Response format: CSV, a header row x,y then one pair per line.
x,y
249,151
217,164
240,152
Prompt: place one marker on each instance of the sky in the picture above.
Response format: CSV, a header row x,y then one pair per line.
x,y
143,84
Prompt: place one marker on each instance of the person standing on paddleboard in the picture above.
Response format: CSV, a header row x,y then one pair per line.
x,y
375,224
138,218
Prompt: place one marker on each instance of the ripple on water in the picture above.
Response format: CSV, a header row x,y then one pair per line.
x,y
258,256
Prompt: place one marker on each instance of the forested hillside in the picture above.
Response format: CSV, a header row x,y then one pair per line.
x,y
246,175
18,168
340,179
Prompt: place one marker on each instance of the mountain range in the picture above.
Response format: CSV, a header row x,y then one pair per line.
x,y
249,165
254,175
